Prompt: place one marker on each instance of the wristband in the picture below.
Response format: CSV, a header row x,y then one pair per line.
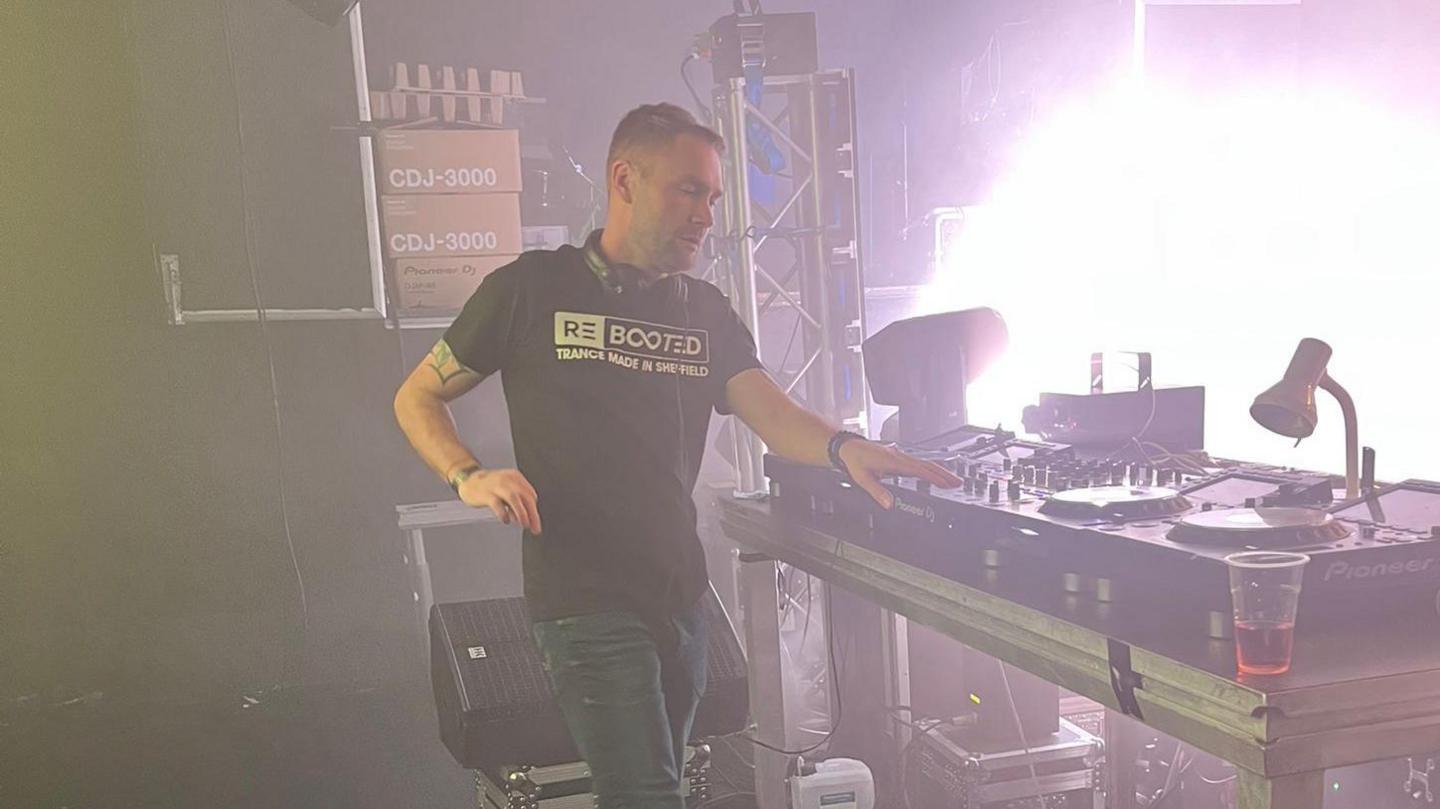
x,y
837,441
461,476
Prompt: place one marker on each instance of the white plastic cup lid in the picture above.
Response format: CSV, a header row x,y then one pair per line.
x,y
1266,560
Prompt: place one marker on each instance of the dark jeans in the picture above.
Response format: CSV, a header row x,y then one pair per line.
x,y
628,690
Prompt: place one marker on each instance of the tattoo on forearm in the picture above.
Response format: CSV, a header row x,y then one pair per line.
x,y
443,363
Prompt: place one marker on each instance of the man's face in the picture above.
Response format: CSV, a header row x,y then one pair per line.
x,y
674,203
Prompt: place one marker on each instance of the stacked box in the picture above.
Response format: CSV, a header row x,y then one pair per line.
x,y
450,210
944,768
567,786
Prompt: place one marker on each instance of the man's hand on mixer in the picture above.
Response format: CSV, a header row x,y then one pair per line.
x,y
867,462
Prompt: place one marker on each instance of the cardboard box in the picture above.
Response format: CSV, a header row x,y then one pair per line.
x,y
499,82
545,237
435,225
418,161
438,286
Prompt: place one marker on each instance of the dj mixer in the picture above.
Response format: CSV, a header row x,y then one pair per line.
x,y
1133,532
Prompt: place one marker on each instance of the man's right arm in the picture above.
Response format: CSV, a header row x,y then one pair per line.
x,y
421,408
423,412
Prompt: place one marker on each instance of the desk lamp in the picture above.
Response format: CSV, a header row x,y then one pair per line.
x,y
1288,407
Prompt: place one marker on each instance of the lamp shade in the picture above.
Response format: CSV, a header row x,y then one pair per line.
x,y
1288,407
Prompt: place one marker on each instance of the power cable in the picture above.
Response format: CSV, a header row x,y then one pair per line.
x,y
249,227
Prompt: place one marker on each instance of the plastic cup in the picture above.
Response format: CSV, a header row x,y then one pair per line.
x,y
1265,594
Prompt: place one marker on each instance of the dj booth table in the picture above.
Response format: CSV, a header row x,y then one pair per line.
x,y
1358,691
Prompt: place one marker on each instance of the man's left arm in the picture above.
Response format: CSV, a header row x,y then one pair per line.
x,y
799,435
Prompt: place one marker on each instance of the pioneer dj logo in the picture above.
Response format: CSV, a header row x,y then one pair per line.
x,y
477,652
1344,571
926,513
634,344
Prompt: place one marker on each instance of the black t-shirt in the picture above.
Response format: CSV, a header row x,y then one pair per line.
x,y
610,395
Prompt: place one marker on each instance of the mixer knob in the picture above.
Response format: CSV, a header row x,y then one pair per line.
x,y
1207,506
994,495
1006,464
1249,502
982,478
1059,483
1013,490
1104,590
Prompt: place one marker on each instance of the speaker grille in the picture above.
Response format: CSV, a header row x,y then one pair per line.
x,y
509,681
493,697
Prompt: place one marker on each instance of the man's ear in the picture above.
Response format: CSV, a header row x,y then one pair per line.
x,y
623,175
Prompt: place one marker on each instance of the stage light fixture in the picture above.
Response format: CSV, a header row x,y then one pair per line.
x,y
923,365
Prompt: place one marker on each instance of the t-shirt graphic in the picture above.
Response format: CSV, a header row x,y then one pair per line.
x,y
652,348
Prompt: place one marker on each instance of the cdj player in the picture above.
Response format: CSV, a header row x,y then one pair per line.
x,y
1132,533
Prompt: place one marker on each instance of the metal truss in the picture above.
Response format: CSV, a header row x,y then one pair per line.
x,y
795,247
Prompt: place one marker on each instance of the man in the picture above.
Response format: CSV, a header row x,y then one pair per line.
x,y
612,360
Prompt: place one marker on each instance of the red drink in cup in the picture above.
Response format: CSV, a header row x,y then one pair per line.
x,y
1265,595
1263,647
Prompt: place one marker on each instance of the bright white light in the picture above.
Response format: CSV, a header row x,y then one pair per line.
x,y
1216,234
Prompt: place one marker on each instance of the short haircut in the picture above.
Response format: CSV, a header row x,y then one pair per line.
x,y
656,126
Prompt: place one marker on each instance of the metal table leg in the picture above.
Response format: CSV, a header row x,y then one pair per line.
x,y
895,653
1123,737
422,591
1304,790
767,695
